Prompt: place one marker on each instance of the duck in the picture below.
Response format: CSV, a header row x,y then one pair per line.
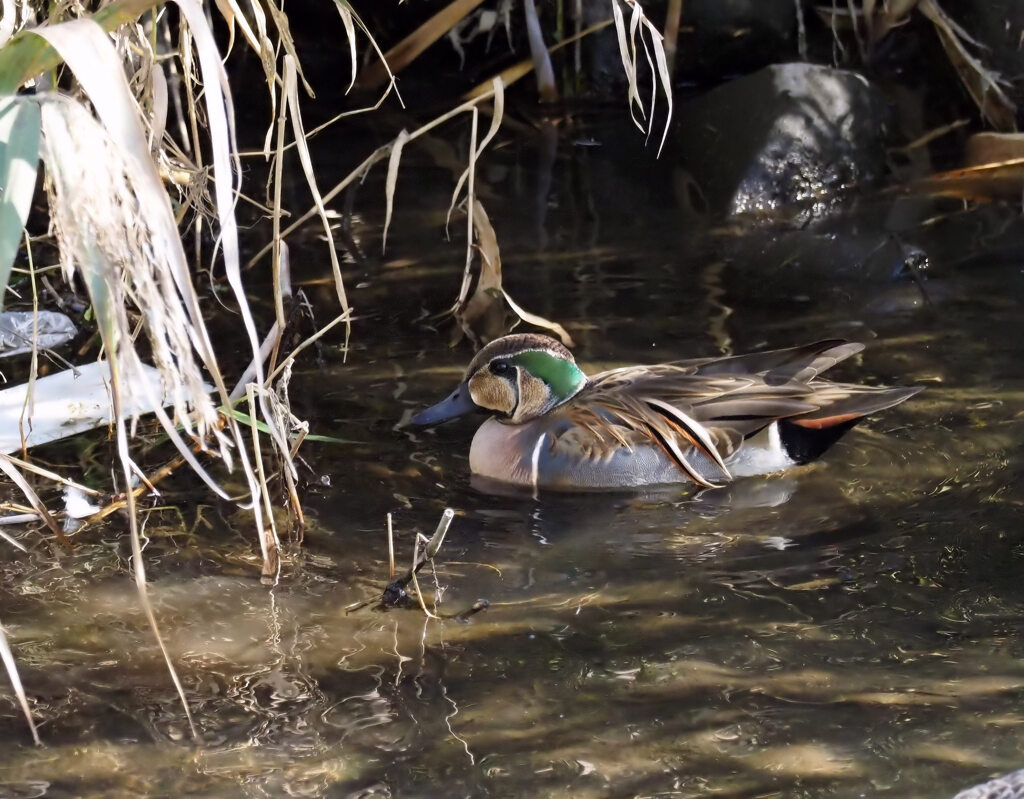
x,y
705,421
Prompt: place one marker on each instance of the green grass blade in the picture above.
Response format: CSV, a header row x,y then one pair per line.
x,y
243,418
26,55
19,161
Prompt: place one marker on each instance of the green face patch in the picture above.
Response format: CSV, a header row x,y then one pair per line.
x,y
564,377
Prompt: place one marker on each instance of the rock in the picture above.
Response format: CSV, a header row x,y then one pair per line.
x,y
790,134
1009,786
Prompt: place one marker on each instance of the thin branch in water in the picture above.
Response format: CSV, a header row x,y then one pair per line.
x,y
395,591
391,550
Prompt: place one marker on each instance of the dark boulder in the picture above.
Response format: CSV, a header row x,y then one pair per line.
x,y
788,135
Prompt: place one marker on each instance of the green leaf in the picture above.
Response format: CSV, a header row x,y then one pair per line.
x,y
26,55
246,419
19,162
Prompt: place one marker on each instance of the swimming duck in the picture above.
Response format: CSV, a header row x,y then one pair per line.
x,y
706,421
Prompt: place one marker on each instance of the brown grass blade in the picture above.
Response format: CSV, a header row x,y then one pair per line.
x,y
19,690
406,51
982,84
292,98
16,477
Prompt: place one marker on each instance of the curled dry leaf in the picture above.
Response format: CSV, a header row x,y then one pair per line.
x,y
489,287
651,42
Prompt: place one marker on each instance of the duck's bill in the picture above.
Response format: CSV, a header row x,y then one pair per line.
x,y
458,403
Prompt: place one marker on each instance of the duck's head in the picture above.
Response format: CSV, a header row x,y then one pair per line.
x,y
517,377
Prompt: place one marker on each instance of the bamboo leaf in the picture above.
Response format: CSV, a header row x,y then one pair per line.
x,y
26,55
243,418
19,161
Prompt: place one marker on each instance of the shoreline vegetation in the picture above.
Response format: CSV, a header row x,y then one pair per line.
x,y
125,117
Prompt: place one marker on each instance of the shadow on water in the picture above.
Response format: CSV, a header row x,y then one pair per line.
x,y
849,628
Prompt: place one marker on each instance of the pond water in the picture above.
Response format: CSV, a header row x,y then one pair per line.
x,y
847,629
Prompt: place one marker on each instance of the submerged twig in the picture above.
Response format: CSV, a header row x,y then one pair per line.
x,y
395,591
391,550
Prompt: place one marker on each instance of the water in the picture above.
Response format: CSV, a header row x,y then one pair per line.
x,y
847,629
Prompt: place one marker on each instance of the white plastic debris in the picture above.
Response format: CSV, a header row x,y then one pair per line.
x,y
17,331
65,404
77,504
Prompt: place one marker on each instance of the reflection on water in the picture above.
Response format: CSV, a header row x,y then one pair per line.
x,y
847,629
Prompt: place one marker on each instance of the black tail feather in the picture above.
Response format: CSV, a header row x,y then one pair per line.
x,y
805,444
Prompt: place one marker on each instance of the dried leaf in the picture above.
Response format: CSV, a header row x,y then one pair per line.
x,y
489,283
540,321
982,84
292,98
511,74
998,181
650,40
391,182
539,54
10,14
497,87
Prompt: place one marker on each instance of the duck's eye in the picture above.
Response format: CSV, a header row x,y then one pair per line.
x,y
500,368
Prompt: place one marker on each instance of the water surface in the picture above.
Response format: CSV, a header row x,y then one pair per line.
x,y
849,628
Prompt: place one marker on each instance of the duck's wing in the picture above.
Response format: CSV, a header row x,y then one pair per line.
x,y
705,409
691,416
778,367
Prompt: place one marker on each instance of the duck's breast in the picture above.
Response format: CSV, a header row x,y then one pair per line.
x,y
539,453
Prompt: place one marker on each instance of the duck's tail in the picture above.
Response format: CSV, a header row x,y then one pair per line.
x,y
808,435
